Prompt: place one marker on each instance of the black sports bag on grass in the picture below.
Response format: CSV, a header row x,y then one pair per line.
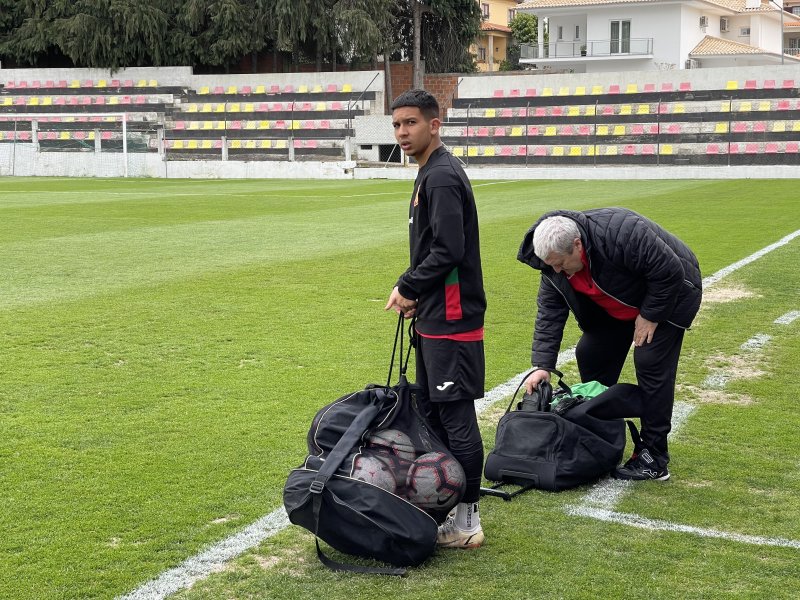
x,y
377,481
555,448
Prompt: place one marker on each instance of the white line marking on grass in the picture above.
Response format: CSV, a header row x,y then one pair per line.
x,y
712,279
494,183
606,493
211,560
788,317
658,525
756,342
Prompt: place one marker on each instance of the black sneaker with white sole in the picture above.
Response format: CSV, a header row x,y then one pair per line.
x,y
641,467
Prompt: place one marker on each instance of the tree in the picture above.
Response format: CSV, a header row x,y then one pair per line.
x,y
524,30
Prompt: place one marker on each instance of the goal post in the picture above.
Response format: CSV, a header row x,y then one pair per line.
x,y
73,144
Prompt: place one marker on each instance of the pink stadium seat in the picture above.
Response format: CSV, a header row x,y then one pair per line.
x,y
87,83
96,119
557,111
771,148
514,93
685,86
769,84
298,143
311,144
100,100
788,83
540,151
128,83
783,105
139,100
653,128
234,124
739,127
499,131
307,107
648,149
246,89
324,124
308,125
61,83
275,89
10,85
22,84
608,110
759,126
218,144
663,109
49,83
712,149
750,84
179,125
86,100
507,113
288,89
36,84
584,130
533,130
115,83
649,87
637,129
264,107
791,147
629,150
80,135
499,93
567,130
751,148
21,100
530,92
483,132
613,88
60,101
336,106
541,111
505,151
125,100
331,88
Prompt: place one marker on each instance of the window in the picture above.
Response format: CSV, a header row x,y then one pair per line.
x,y
481,54
560,32
620,37
512,12
796,10
577,32
744,31
485,10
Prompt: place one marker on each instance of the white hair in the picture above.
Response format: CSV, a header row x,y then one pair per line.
x,y
554,234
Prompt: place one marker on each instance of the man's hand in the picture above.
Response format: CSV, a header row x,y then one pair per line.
x,y
400,304
643,331
535,378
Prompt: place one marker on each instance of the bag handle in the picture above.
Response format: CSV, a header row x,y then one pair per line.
x,y
412,334
556,372
342,448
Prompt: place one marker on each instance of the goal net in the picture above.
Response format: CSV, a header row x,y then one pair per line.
x,y
75,145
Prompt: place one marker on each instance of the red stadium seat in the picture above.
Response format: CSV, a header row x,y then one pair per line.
x,y
275,89
540,151
685,86
739,127
750,84
331,88
584,130
613,88
505,151
788,84
514,93
649,87
288,89
246,89
499,93
629,150
771,148
759,127
791,147
507,113
499,132
751,148
483,132
557,111
648,149
783,105
541,111
530,92
769,84
712,149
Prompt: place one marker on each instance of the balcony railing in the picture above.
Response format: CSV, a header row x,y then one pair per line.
x,y
589,48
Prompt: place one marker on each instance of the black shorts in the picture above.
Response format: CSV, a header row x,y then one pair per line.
x,y
450,370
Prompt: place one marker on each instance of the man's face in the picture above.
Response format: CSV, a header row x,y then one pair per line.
x,y
569,263
412,131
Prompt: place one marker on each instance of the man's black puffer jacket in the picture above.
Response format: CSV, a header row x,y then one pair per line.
x,y
632,259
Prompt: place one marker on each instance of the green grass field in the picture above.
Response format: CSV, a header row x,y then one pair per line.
x,y
165,344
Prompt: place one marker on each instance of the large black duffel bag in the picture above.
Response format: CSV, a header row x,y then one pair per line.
x,y
536,447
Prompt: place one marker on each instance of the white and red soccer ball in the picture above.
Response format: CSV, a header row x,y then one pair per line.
x,y
372,470
392,441
435,480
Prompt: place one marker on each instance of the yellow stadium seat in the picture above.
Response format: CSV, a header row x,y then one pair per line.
x,y
74,83
206,108
644,109
317,89
721,128
490,112
472,151
152,83
250,144
295,125
602,130
142,83
573,111
248,107
557,151
176,145
796,126
619,129
203,90
347,87
625,109
590,110
458,151
611,151
260,89
321,106
263,124
732,85
113,100
580,91
101,83
234,107
516,131
236,144
725,106
779,126
220,125
765,105
597,90
550,130
220,108
575,151
232,89
590,151
745,106
632,88
91,136
665,149
303,89
47,101
488,151
206,144
547,91
679,108
64,135
250,124
5,101
191,145
280,144
33,101
207,125
563,91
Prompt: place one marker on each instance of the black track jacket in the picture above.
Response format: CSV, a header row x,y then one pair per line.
x,y
445,276
632,259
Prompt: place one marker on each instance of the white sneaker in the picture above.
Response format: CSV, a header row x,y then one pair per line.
x,y
450,536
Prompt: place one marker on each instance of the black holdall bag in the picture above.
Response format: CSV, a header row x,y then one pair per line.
x,y
377,481
556,448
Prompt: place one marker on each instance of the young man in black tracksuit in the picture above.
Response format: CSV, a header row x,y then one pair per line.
x,y
443,289
626,280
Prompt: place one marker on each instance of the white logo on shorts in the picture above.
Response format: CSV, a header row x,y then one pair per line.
x,y
445,385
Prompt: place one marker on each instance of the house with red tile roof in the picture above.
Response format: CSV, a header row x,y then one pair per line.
x,y
588,36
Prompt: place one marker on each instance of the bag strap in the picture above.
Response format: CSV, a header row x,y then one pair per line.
x,y
349,439
556,372
398,342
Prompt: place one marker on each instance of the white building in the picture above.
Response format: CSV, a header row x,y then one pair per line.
x,y
586,36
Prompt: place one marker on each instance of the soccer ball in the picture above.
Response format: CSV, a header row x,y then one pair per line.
x,y
374,471
394,442
398,466
435,480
